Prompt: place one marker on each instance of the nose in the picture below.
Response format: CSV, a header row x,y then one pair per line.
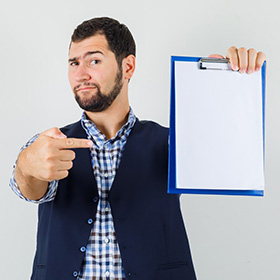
x,y
82,74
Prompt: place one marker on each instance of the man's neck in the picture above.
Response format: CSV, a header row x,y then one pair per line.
x,y
112,119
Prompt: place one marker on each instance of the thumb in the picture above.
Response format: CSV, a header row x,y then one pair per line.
x,y
54,133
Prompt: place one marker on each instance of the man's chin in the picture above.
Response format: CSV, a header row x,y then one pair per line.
x,y
92,106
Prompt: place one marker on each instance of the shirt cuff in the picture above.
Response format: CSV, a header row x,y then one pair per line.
x,y
52,188
49,196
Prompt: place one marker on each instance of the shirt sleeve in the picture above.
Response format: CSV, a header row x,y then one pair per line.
x,y
52,188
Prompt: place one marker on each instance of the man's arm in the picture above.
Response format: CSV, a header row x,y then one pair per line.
x,y
52,187
47,159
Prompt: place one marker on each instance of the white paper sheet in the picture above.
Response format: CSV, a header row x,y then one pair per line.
x,y
219,129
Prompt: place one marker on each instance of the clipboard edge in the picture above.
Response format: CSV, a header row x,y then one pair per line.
x,y
172,182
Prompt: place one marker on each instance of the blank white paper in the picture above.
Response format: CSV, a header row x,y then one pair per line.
x,y
219,129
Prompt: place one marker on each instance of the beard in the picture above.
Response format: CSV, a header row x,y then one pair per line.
x,y
99,101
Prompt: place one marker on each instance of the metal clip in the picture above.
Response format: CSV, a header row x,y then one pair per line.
x,y
214,64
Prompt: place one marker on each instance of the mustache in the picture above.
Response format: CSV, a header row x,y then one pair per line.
x,y
76,88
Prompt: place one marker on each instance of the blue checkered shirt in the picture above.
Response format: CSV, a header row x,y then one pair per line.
x,y
102,259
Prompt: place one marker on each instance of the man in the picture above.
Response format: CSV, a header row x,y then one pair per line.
x,y
101,182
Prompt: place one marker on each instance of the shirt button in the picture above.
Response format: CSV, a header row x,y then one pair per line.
x,y
83,249
95,199
107,209
90,221
75,273
106,175
107,273
106,240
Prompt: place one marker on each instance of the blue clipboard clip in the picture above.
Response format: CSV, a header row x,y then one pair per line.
x,y
214,64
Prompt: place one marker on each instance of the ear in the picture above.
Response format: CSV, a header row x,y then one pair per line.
x,y
128,65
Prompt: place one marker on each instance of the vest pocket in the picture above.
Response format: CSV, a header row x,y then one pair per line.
x,y
39,272
173,265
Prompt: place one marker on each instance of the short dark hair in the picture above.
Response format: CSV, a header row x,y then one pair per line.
x,y
119,38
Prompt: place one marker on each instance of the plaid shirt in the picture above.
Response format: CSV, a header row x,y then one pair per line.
x,y
102,255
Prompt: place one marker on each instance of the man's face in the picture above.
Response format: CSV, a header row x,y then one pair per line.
x,y
94,75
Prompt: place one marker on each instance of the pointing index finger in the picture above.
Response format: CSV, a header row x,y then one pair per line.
x,y
74,143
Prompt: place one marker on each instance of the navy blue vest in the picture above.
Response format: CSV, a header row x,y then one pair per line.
x,y
148,221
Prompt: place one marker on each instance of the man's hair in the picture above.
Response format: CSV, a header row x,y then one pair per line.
x,y
118,36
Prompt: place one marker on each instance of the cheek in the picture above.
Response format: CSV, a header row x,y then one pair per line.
x,y
71,79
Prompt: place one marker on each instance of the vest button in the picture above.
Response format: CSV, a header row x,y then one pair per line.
x,y
90,221
83,249
95,199
75,273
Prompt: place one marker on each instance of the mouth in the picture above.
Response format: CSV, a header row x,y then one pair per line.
x,y
85,88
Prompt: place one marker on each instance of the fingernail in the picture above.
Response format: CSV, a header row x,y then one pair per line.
x,y
234,67
258,68
242,71
89,143
249,71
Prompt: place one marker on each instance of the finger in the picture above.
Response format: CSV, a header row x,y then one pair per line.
x,y
259,61
215,56
233,58
67,155
252,55
54,133
243,60
74,143
61,174
64,165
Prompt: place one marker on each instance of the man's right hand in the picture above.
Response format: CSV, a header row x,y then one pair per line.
x,y
48,158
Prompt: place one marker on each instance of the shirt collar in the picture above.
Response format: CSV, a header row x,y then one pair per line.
x,y
100,139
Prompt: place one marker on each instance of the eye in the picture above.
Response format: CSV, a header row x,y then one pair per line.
x,y
95,61
73,63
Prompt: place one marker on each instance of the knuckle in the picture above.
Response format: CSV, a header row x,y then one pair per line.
x,y
48,175
50,167
48,143
69,142
49,157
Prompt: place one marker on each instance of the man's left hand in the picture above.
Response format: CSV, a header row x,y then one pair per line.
x,y
243,60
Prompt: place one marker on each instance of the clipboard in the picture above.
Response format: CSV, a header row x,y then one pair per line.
x,y
217,128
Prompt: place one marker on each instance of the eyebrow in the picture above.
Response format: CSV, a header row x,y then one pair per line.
x,y
85,55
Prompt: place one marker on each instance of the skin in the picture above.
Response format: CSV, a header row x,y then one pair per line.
x,y
243,60
103,72
50,157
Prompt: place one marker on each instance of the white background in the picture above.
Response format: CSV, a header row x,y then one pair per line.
x,y
231,237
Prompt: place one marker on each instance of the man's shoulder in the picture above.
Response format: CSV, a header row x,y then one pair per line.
x,y
147,124
72,129
150,130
